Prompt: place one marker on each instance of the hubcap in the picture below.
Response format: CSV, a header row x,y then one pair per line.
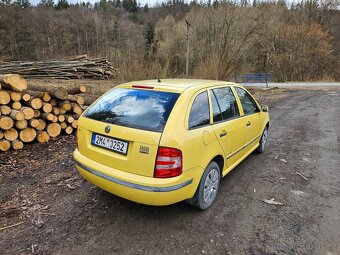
x,y
264,139
210,186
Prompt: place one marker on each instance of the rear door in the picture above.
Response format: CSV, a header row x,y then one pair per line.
x,y
229,128
123,128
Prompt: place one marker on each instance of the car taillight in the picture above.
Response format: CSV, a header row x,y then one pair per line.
x,y
168,163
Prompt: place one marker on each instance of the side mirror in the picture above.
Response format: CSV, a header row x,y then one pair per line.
x,y
264,108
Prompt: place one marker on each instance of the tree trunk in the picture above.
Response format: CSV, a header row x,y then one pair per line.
x,y
59,93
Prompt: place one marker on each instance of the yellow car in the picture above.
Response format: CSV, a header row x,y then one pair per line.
x,y
158,142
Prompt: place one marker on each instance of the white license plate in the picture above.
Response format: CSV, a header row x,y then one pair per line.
x,y
110,143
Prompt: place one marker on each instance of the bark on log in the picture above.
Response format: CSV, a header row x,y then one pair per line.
x,y
75,99
13,81
27,135
59,93
53,102
76,89
88,99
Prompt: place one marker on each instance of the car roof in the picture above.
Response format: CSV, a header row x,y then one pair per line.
x,y
177,85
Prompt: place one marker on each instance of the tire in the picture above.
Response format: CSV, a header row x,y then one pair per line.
x,y
263,141
208,187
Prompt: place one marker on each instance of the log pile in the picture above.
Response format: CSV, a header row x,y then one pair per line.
x,y
77,68
36,113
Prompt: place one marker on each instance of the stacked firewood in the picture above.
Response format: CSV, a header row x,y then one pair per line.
x,y
77,68
36,113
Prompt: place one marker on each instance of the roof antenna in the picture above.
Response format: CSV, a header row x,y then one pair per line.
x,y
159,80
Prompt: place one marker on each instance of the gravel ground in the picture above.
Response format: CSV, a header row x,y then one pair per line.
x,y
62,214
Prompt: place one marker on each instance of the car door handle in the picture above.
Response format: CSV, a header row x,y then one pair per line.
x,y
248,124
223,133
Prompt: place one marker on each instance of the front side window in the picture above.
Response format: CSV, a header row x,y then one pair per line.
x,y
199,113
135,108
248,104
226,103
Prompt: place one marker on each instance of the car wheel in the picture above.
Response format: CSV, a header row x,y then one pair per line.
x,y
263,141
208,187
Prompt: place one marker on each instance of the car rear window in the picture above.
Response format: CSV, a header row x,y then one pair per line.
x,y
135,108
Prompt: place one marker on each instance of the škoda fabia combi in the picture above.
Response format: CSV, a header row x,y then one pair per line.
x,y
159,142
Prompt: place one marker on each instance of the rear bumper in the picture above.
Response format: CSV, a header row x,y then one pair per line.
x,y
141,189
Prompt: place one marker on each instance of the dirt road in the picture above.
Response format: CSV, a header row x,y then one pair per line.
x,y
62,214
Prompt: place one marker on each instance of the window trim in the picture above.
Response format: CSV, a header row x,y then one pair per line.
x,y
212,122
240,103
192,100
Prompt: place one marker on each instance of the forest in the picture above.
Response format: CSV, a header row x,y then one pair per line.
x,y
295,41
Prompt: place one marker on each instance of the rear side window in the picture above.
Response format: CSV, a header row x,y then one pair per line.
x,y
226,104
199,113
248,104
135,108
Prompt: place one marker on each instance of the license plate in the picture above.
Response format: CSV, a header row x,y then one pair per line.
x,y
110,143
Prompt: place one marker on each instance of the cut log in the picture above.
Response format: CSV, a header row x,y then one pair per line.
x,y
35,103
61,118
69,119
75,89
6,122
65,105
34,123
75,99
53,129
17,145
44,96
56,111
42,137
37,113
1,135
4,145
42,125
63,125
15,96
47,116
75,124
53,102
28,112
17,115
76,109
5,109
11,134
27,135
69,130
16,105
88,99
13,81
62,111
26,97
47,107
21,124
59,93
4,97
55,119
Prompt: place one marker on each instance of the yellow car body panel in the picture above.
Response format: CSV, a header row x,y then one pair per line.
x,y
131,176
